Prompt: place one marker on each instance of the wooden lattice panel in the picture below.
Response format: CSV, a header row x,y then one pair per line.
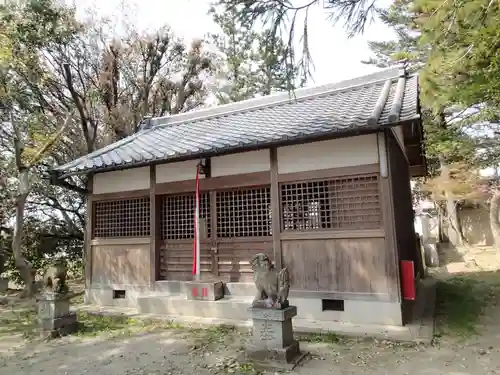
x,y
122,218
244,213
177,216
345,203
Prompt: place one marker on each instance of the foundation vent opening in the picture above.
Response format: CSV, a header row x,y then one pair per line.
x,y
332,305
118,294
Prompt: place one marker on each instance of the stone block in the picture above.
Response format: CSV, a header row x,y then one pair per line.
x,y
273,314
54,316
204,290
272,334
63,322
283,355
59,326
272,343
4,284
50,307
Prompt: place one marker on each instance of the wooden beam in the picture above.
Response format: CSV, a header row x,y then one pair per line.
x,y
275,209
387,204
329,173
214,251
215,183
154,215
333,234
120,241
89,215
418,171
121,195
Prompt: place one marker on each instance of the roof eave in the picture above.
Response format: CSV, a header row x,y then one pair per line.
x,y
232,150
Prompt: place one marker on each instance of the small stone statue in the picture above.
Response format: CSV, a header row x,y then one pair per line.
x,y
54,279
272,285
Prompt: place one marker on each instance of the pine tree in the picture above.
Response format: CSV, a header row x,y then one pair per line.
x,y
251,66
406,47
445,145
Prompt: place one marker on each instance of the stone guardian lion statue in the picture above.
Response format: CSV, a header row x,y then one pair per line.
x,y
54,279
272,285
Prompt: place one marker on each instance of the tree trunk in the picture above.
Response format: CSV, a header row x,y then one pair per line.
x,y
23,265
494,220
454,233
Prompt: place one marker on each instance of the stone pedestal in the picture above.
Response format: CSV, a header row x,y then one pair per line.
x,y
273,345
54,316
4,284
204,290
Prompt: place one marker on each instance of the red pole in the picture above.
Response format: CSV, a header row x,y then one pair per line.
x,y
408,280
196,214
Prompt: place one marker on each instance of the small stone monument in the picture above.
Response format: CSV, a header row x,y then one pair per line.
x,y
54,315
207,290
4,282
272,344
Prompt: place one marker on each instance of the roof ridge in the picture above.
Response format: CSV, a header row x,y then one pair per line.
x,y
276,103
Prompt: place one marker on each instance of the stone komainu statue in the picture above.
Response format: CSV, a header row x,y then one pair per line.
x,y
54,279
272,285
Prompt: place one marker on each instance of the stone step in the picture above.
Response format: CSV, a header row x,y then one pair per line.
x,y
174,288
232,308
301,326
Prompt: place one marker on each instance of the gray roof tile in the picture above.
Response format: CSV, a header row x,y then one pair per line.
x,y
331,110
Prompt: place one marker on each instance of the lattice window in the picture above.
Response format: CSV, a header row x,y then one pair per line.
x,y
177,216
244,213
122,218
345,203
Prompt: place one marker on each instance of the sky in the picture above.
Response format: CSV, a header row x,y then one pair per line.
x,y
335,57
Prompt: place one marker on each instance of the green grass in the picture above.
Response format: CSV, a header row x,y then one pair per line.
x,y
327,338
18,322
24,321
460,303
119,325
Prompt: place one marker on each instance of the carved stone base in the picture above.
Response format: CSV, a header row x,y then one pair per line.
x,y
54,316
272,344
204,290
4,284
59,326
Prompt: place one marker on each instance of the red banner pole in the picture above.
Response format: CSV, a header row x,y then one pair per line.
x,y
196,245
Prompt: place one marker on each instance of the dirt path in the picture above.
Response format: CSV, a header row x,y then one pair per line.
x,y
176,351
173,352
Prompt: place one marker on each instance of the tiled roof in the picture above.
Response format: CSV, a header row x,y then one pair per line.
x,y
351,107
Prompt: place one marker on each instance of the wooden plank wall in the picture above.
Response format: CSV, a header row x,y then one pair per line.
x,y
176,260
234,257
343,266
121,261
399,173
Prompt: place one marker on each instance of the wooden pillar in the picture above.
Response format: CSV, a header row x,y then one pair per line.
x,y
387,205
275,209
214,251
87,237
154,212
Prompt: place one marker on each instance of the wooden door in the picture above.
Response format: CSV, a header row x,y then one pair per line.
x,y
243,229
177,233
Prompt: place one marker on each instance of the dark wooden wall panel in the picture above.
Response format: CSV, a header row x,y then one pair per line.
x,y
358,265
234,256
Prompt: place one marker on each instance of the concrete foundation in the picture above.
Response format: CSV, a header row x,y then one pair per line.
x,y
355,312
168,299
